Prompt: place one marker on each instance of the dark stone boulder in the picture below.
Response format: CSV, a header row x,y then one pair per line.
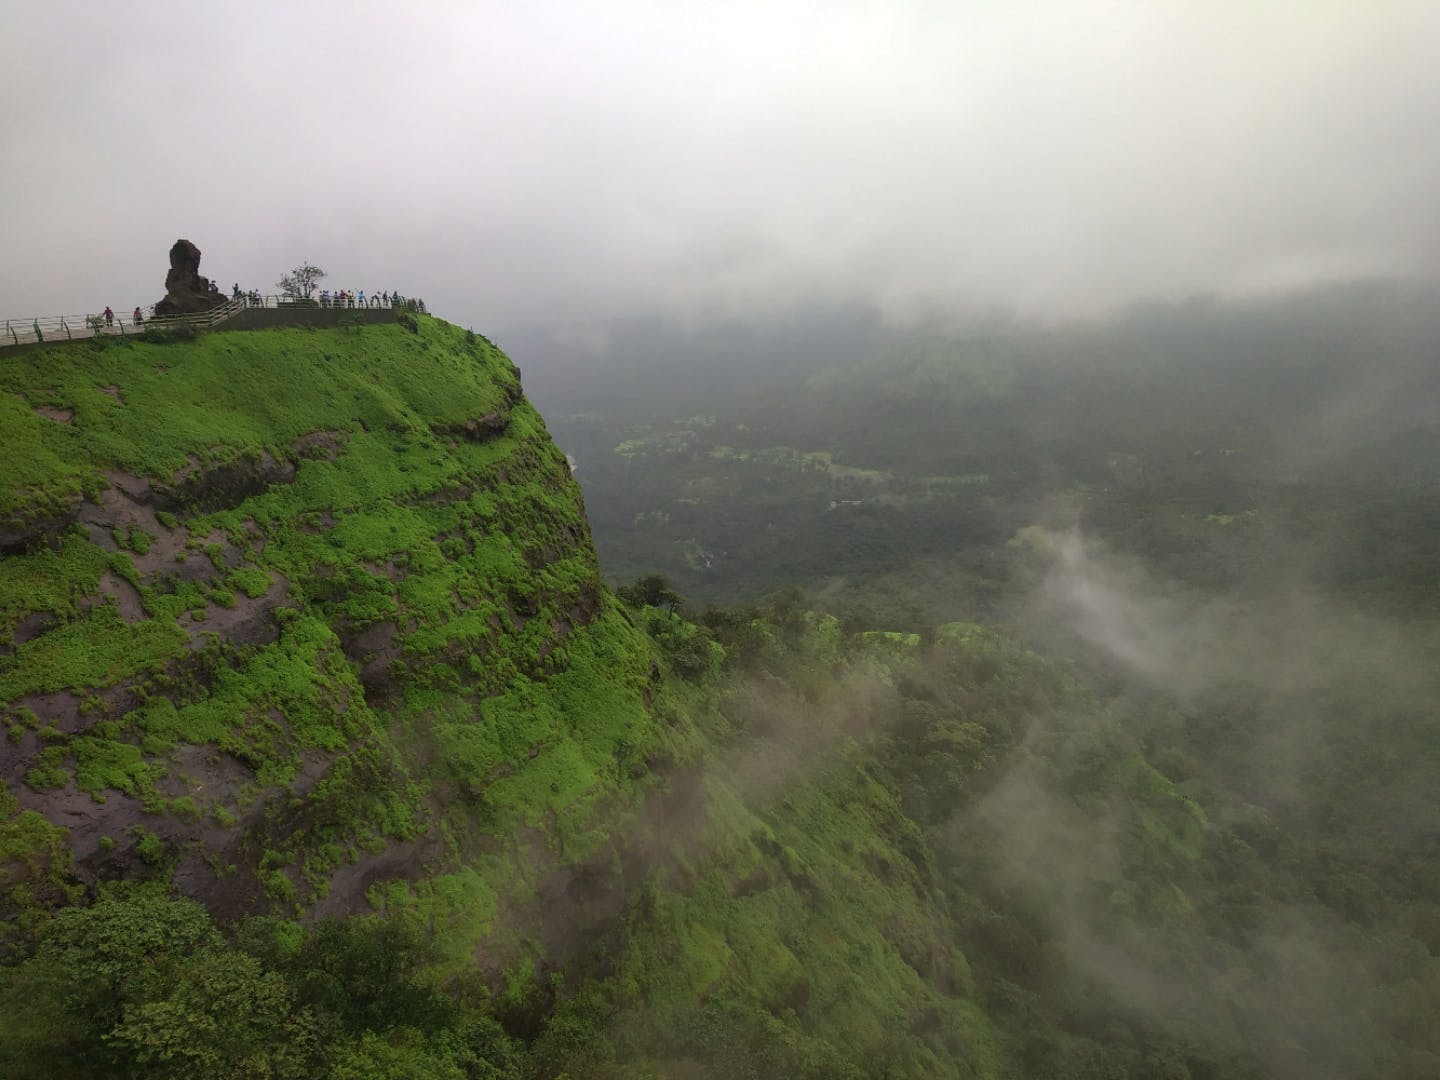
x,y
186,291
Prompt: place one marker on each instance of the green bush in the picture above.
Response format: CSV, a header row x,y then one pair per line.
x,y
149,846
174,334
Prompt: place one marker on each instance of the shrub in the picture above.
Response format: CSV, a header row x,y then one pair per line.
x,y
150,847
169,335
46,775
652,590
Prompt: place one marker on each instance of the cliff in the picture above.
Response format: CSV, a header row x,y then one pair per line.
x,y
291,618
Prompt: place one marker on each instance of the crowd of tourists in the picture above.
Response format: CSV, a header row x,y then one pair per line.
x,y
345,298
340,298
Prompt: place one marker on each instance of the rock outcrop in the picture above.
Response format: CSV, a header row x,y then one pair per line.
x,y
185,290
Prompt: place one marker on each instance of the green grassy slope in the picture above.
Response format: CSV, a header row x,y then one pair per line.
x,y
814,888
285,615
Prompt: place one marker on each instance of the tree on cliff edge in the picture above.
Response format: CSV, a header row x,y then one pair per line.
x,y
300,282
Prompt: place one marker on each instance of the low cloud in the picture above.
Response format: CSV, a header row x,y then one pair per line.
x,y
570,163
1305,692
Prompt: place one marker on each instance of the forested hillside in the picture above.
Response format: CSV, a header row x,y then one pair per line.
x,y
1222,444
1222,514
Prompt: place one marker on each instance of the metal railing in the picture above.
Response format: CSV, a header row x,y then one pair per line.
x,y
43,328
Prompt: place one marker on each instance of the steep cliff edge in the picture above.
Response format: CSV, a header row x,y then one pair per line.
x,y
291,618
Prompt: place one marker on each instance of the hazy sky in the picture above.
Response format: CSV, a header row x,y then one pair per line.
x,y
577,161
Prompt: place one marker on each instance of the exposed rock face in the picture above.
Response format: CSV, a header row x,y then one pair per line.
x,y
185,290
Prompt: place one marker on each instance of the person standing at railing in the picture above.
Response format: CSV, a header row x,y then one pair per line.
x,y
137,319
109,316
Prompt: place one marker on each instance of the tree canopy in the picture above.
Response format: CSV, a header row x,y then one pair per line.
x,y
301,282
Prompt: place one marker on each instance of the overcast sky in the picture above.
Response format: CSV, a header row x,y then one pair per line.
x,y
579,161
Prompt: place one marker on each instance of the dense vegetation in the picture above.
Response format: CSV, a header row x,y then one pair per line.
x,y
1223,513
1220,444
330,754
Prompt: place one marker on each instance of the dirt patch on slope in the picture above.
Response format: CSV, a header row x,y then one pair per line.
x,y
350,882
373,648
123,595
89,820
19,533
32,626
320,445
123,507
60,710
202,489
248,622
